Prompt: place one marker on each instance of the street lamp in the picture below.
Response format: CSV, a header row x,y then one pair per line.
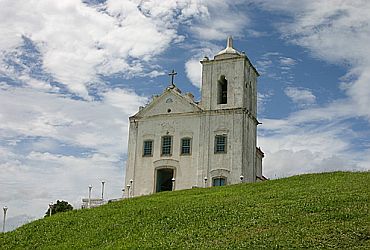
x,y
132,187
205,181
5,209
241,178
102,190
89,201
50,208
173,183
128,190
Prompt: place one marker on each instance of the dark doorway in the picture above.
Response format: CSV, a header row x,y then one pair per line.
x,y
164,179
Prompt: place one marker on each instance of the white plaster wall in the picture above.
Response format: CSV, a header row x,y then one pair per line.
x,y
177,126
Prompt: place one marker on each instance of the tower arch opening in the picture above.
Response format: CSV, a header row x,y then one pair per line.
x,y
222,90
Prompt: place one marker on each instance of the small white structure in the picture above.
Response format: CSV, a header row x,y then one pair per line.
x,y
93,202
178,143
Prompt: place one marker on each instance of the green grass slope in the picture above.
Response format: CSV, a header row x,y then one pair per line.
x,y
328,210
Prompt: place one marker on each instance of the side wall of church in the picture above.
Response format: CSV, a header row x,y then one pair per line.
x,y
249,149
240,156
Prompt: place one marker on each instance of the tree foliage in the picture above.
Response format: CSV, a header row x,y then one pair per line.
x,y
60,206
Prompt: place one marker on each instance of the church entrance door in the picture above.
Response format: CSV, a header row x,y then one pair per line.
x,y
164,179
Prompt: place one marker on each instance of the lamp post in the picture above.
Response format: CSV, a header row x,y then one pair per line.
x,y
241,178
50,208
205,181
123,192
132,187
128,190
102,190
173,183
5,209
89,200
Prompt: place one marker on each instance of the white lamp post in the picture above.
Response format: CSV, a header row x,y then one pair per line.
x,y
89,201
50,208
173,183
128,190
241,178
123,192
102,190
205,181
132,187
5,209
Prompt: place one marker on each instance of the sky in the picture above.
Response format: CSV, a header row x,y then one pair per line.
x,y
72,72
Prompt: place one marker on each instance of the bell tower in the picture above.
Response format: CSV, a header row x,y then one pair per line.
x,y
229,81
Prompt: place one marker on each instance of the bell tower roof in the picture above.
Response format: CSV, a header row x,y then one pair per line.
x,y
229,49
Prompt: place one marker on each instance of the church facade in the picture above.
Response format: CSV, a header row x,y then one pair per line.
x,y
177,143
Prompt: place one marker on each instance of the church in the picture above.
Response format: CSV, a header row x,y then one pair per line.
x,y
176,142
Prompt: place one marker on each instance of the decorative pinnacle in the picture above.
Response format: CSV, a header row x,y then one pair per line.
x,y
229,42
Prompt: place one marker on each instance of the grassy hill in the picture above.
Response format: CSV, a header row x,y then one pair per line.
x,y
328,210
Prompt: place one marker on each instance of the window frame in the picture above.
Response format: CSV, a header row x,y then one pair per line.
x,y
152,148
182,146
225,144
171,143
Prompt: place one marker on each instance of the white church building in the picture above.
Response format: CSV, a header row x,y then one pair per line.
x,y
178,143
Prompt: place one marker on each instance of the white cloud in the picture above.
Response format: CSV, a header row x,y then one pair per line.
x,y
276,66
53,147
335,31
262,99
193,68
193,71
303,97
302,144
318,138
220,20
104,43
287,61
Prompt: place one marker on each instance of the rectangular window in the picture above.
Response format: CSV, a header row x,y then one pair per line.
x,y
219,182
148,148
185,146
220,143
166,145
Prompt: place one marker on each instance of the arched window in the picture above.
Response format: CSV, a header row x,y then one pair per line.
x,y
222,90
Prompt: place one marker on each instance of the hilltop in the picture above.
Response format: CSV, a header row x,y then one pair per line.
x,y
329,210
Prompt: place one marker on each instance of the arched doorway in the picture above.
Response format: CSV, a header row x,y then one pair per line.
x,y
164,179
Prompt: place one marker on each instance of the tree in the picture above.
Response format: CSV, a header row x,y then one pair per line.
x,y
60,206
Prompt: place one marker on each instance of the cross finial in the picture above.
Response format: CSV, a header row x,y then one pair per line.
x,y
229,42
172,74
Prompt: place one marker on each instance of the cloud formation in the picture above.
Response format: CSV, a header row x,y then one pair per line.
x,y
109,39
319,137
302,97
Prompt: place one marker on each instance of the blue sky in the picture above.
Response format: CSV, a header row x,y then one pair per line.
x,y
71,73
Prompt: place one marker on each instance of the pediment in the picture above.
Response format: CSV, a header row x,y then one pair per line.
x,y
169,102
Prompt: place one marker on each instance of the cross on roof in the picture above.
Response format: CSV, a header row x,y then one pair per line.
x,y
172,74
